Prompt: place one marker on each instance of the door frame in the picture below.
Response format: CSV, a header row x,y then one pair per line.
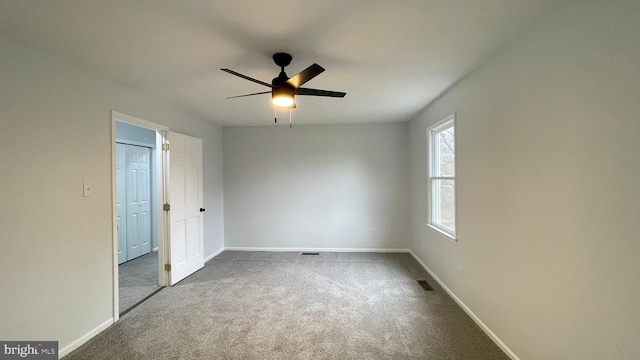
x,y
161,191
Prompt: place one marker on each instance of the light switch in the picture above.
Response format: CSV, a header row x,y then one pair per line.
x,y
87,190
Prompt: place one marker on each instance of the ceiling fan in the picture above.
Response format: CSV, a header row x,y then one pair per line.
x,y
284,88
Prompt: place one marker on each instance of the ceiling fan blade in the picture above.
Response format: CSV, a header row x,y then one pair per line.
x,y
316,92
246,77
305,75
258,93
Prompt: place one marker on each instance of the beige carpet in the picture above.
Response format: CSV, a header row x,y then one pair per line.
x,y
266,305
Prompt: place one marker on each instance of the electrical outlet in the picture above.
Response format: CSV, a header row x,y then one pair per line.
x,y
461,272
373,231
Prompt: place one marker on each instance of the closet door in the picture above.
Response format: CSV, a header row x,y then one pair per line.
x,y
121,201
138,207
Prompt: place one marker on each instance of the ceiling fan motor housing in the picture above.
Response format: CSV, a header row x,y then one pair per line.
x,y
281,90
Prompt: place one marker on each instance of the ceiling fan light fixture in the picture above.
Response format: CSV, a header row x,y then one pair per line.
x,y
282,97
283,101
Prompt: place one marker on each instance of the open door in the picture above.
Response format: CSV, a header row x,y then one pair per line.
x,y
186,250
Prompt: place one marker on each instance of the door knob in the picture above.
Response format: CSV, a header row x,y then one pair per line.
x,y
202,210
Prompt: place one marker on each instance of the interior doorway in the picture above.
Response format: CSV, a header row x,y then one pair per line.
x,y
137,220
139,236
175,205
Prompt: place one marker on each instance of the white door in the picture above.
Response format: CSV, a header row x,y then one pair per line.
x,y
138,192
121,202
186,253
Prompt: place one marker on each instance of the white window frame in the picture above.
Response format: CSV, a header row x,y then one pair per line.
x,y
433,153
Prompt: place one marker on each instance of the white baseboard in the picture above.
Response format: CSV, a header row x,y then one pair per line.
x,y
466,309
213,255
377,250
84,338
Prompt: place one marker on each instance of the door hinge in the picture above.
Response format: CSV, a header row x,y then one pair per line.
x,y
165,147
166,207
167,267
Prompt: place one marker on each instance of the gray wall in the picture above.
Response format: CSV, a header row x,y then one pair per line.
x,y
317,186
127,132
548,166
57,248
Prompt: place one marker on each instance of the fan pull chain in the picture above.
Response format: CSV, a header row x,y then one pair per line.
x,y
276,115
290,124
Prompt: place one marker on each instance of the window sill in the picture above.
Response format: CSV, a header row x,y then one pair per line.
x,y
445,234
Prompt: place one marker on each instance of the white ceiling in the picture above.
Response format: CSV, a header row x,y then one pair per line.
x,y
391,57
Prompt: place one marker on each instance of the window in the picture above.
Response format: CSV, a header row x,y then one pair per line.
x,y
442,177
